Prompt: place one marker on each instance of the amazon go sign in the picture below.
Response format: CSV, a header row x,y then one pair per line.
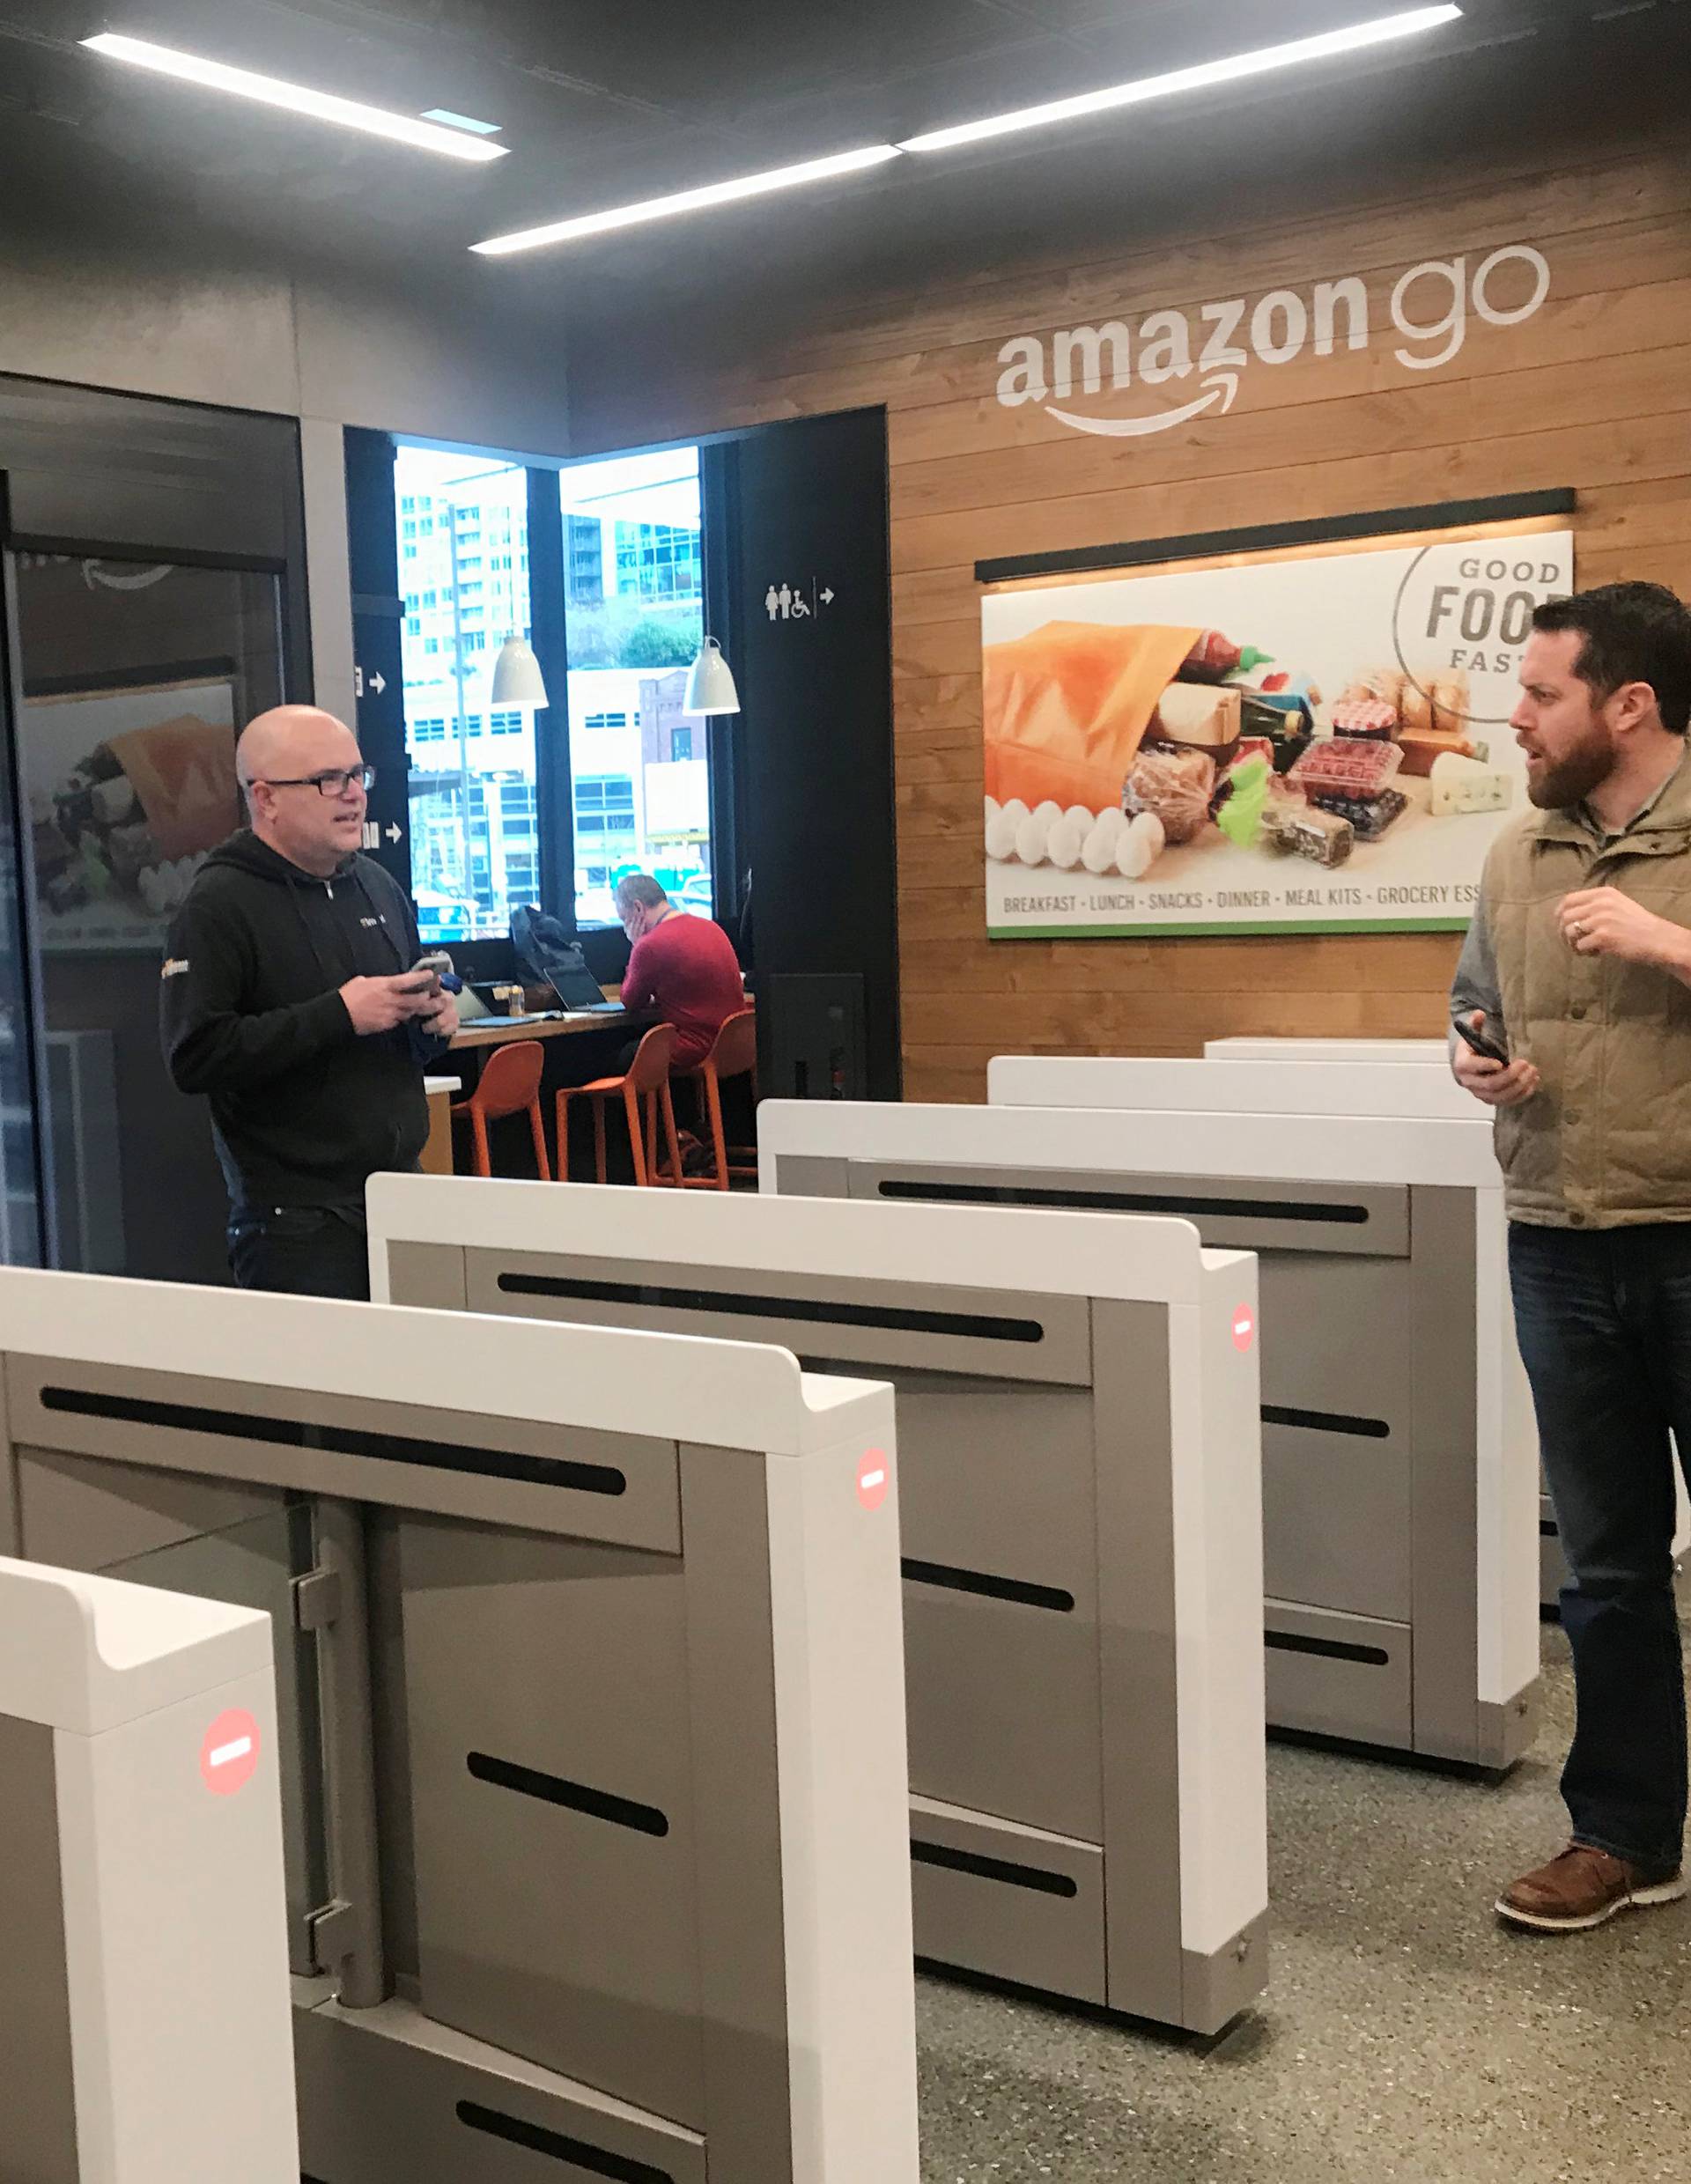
x,y
1427,320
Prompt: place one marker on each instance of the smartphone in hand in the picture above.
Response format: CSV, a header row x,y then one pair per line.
x,y
1482,1042
434,964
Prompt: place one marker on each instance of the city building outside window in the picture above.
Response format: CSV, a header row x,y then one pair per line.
x,y
605,806
634,619
473,802
584,544
657,561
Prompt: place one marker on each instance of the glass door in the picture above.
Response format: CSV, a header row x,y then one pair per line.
x,y
22,1240
134,675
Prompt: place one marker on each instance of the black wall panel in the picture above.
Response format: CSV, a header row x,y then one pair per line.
x,y
377,612
815,739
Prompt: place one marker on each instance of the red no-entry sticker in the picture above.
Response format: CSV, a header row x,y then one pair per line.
x,y
229,1753
874,1476
1244,1327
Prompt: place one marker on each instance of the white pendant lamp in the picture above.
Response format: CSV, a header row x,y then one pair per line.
x,y
710,682
517,679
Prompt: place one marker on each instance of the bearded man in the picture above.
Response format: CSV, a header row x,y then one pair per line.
x,y
1577,968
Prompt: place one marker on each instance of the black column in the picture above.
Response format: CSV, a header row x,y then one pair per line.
x,y
815,672
554,799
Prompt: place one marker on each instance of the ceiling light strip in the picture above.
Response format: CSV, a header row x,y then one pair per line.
x,y
270,90
448,119
1386,30
688,200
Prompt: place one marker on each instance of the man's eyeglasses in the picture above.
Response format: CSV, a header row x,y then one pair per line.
x,y
335,782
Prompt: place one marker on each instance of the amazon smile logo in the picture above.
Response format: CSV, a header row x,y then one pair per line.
x,y
1431,309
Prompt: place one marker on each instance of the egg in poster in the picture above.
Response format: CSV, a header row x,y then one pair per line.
x,y
1315,740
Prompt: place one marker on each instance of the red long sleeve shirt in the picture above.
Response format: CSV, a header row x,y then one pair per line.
x,y
686,969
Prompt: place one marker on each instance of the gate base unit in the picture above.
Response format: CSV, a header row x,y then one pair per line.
x,y
1080,1505
1400,1461
590,1713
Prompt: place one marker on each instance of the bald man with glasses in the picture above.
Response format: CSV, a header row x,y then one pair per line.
x,y
290,996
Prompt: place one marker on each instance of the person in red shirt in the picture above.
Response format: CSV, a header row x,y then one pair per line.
x,y
683,967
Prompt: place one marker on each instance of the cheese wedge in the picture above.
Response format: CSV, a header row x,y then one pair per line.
x,y
1466,785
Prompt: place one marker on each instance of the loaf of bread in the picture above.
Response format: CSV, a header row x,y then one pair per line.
x,y
1451,700
1415,708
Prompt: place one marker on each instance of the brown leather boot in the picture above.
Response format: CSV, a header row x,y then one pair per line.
x,y
1580,1889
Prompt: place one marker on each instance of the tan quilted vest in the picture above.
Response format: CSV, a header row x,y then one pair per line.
x,y
1607,1142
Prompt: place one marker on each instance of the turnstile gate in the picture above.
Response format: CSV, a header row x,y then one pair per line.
x,y
1404,1098
1080,1519
591,1704
1398,1458
144,1977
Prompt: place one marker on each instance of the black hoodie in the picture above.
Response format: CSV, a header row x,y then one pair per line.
x,y
303,1109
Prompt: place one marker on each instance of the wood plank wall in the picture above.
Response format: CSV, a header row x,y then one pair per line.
x,y
1594,392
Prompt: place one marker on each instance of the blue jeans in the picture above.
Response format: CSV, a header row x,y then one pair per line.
x,y
1604,1319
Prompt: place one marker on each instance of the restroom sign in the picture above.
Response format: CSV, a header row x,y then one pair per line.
x,y
874,1476
229,1753
1244,1327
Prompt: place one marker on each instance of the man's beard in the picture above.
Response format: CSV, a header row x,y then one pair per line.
x,y
1572,779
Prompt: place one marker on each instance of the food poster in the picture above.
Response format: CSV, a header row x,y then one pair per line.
x,y
128,790
1310,742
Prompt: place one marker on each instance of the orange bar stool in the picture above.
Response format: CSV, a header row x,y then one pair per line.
x,y
509,1085
645,1085
734,1053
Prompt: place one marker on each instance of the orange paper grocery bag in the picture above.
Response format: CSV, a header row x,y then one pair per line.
x,y
184,773
1068,706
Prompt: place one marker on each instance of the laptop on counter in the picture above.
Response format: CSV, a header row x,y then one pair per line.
x,y
575,985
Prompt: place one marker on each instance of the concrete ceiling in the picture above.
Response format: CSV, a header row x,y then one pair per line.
x,y
604,101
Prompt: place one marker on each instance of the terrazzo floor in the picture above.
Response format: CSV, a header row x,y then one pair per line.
x,y
1406,2038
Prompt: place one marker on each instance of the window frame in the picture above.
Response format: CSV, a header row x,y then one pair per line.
x,y
719,750
546,571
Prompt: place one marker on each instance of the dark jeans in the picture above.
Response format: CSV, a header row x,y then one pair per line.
x,y
1604,1319
305,1251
